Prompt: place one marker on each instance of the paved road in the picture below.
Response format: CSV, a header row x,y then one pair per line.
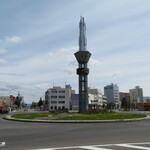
x,y
32,136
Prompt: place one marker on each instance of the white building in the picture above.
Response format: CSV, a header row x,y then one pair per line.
x,y
112,93
136,95
96,97
59,98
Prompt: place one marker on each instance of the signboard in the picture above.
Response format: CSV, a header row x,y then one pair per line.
x,y
18,100
11,96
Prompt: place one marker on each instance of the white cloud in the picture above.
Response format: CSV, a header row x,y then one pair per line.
x,y
117,39
3,50
13,39
94,63
2,61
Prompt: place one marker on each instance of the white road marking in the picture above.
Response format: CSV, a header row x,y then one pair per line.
x,y
133,146
93,148
2,144
100,147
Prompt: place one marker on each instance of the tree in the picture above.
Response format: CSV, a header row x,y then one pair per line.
x,y
33,105
125,104
110,106
40,103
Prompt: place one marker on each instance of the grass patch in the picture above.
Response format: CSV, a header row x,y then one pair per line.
x,y
30,115
104,116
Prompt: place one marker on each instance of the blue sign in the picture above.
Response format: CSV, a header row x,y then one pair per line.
x,y
18,100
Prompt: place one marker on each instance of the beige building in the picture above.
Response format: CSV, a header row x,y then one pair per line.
x,y
136,95
95,97
59,98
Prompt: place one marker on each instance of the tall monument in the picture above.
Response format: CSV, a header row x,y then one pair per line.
x,y
83,57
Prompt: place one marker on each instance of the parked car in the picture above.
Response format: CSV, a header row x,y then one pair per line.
x,y
5,110
25,109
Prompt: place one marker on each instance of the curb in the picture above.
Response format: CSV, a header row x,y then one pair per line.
x,y
8,117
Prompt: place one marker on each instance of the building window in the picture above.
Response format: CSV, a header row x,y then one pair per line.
x,y
53,102
61,96
61,91
51,107
53,91
61,102
53,96
55,107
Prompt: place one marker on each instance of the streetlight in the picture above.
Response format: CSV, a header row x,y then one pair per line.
x,y
10,96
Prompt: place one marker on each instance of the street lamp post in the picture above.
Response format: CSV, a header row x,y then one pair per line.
x,y
9,96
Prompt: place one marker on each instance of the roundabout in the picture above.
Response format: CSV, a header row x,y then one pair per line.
x,y
76,118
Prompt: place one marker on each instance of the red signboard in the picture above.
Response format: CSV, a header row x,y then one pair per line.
x,y
11,96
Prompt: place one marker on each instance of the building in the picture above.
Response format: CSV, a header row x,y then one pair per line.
x,y
112,94
104,100
95,96
59,98
146,99
11,101
145,105
75,101
123,95
6,101
136,95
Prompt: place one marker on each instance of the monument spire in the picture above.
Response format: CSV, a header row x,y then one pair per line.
x,y
83,57
82,35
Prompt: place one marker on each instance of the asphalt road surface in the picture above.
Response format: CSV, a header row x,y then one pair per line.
x,y
96,136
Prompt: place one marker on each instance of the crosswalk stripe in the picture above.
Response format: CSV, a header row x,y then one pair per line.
x,y
133,146
93,148
2,144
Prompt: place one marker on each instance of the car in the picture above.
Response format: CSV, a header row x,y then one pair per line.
x,y
25,109
5,110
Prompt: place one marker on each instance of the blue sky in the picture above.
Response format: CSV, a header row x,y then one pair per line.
x,y
38,39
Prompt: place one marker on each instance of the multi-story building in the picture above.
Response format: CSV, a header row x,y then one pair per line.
x,y
75,101
112,94
146,99
123,95
104,100
7,100
145,105
95,96
59,98
136,95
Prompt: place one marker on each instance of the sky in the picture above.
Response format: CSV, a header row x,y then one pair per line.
x,y
38,39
